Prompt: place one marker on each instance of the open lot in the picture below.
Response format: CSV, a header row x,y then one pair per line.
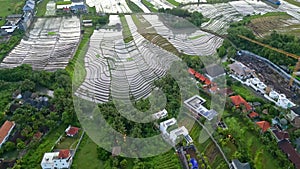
x,y
49,44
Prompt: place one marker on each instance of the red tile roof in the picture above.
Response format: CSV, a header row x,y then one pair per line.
x,y
191,71
264,125
200,76
5,129
214,88
38,135
290,151
64,154
72,131
238,100
253,114
207,81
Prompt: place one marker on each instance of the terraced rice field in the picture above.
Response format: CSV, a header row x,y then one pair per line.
x,y
108,6
222,14
204,44
264,25
48,46
122,67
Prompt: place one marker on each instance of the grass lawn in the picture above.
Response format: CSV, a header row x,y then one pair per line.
x,y
41,8
174,2
9,7
125,30
86,155
68,142
245,92
149,6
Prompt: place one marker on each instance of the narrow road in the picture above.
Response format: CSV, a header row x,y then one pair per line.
x,y
212,138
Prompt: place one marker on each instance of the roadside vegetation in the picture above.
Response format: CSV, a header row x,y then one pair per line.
x,y
125,30
41,8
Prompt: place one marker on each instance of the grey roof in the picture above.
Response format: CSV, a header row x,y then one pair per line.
x,y
296,110
30,4
240,165
214,70
240,69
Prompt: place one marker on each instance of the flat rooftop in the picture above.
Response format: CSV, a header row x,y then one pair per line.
x,y
195,104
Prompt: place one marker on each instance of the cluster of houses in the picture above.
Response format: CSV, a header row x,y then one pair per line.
x,y
170,130
60,159
21,21
277,129
246,76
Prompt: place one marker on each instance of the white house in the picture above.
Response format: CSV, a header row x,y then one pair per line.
x,y
57,160
163,126
161,114
174,134
5,131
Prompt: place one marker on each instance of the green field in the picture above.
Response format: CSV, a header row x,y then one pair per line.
x,y
174,2
86,155
149,6
78,59
9,7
